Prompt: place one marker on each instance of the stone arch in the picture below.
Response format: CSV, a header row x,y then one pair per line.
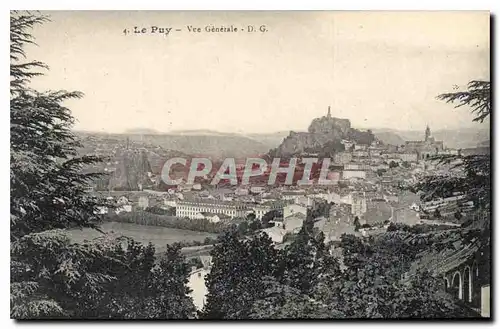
x,y
476,288
467,286
475,270
456,285
446,283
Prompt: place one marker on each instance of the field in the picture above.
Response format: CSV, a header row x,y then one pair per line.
x,y
159,236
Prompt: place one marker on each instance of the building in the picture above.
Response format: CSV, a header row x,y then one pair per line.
x,y
361,153
360,147
342,157
293,223
170,202
358,206
409,157
190,208
465,274
262,209
276,233
356,166
426,148
292,195
348,174
212,218
241,191
329,196
291,209
122,200
257,189
123,208
305,200
143,202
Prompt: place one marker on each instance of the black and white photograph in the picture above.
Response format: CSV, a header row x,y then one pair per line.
x,y
250,165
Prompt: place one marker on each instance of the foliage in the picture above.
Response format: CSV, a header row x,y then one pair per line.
x,y
304,260
469,175
248,276
477,97
148,218
362,137
357,224
475,181
320,209
393,164
234,280
103,278
269,216
47,184
251,279
161,211
284,302
371,285
51,277
326,150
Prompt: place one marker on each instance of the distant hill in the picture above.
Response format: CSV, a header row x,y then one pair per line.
x,y
205,144
389,137
271,140
484,144
141,131
200,132
127,163
192,142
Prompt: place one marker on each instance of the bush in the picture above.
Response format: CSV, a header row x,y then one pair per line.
x,y
160,211
147,218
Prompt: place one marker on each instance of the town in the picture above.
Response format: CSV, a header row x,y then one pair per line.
x,y
368,190
336,167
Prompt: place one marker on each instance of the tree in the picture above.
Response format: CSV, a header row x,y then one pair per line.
x,y
254,225
475,182
251,217
471,173
477,97
393,164
405,164
437,213
306,259
284,302
51,277
357,224
269,216
371,285
234,282
320,209
47,184
47,187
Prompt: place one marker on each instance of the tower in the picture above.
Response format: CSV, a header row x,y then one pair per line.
x,y
427,133
329,115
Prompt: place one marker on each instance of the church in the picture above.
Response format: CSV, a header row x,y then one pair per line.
x,y
426,148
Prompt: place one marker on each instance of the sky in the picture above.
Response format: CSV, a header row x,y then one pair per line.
x,y
378,69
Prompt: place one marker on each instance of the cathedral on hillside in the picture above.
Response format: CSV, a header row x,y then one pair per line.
x,y
426,148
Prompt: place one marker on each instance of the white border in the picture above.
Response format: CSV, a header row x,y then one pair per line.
x,y
491,5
